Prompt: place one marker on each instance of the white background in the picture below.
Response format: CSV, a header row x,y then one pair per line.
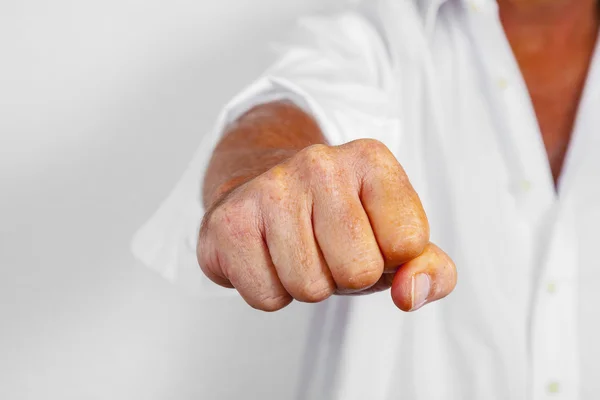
x,y
101,107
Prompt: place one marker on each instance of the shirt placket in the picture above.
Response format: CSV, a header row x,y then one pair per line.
x,y
554,344
555,326
552,336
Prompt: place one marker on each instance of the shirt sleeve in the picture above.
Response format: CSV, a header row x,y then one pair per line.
x,y
334,67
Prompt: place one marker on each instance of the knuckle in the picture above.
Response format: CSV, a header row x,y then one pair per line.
x,y
315,152
203,234
315,291
408,243
371,145
273,187
416,239
204,245
363,277
372,149
271,303
209,261
318,160
233,221
206,226
379,160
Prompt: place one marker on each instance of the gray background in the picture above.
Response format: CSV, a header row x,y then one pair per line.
x,y
101,106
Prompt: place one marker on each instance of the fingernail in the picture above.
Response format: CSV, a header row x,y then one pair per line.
x,y
420,291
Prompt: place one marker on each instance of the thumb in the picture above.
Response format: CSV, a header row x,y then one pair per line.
x,y
426,278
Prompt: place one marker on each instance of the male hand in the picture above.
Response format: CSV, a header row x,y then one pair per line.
x,y
328,220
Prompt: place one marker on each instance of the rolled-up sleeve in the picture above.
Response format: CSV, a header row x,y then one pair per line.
x,y
334,67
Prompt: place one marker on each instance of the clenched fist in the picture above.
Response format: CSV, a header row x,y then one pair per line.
x,y
328,220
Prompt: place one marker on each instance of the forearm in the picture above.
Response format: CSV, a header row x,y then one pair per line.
x,y
260,139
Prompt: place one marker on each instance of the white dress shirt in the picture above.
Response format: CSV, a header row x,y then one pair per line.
x,y
436,81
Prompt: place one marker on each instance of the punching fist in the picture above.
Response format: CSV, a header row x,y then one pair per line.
x,y
328,220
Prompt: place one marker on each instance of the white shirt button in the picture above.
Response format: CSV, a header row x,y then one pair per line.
x,y
474,7
502,83
551,287
553,387
526,185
